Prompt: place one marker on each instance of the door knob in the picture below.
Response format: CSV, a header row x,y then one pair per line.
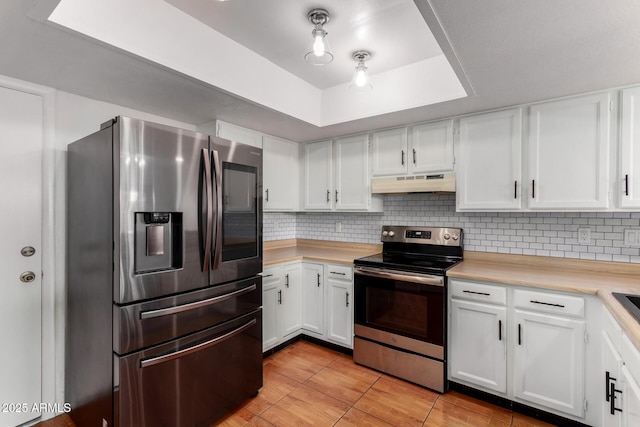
x,y
28,251
28,277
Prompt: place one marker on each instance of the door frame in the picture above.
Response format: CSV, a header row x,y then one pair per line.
x,y
52,284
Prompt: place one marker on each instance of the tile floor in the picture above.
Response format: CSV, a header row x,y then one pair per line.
x,y
309,385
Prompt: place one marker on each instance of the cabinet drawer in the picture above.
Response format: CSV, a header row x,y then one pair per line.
x,y
271,274
478,292
549,303
341,272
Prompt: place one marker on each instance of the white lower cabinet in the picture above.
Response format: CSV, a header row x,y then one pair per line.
x,y
525,345
312,298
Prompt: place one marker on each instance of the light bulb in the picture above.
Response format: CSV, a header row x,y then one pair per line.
x,y
361,77
318,45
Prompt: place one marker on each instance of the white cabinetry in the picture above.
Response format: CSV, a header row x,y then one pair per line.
x,y
336,175
339,311
569,153
477,335
281,303
313,297
629,176
280,174
238,134
488,166
421,148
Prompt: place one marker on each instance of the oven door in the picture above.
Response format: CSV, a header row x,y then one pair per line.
x,y
405,310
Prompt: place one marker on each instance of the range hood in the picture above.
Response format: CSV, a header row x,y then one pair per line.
x,y
427,183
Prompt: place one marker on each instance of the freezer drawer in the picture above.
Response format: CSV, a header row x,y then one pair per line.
x,y
142,325
192,381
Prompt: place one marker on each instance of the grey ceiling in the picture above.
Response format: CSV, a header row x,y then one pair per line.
x,y
511,51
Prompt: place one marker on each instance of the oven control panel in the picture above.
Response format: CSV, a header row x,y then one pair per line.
x,y
422,235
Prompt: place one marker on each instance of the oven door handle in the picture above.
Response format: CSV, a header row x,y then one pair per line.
x,y
426,279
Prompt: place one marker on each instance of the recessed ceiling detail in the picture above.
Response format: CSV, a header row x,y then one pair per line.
x,y
255,50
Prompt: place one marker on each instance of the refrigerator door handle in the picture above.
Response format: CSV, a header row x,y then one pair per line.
x,y
194,305
217,173
209,206
190,350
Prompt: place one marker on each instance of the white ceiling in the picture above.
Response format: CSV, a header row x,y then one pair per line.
x,y
509,51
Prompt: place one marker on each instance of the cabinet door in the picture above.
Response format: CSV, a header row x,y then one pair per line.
x,y
270,306
612,362
340,312
312,297
290,313
488,165
630,399
318,173
569,153
352,173
389,156
630,149
431,147
478,351
279,174
549,361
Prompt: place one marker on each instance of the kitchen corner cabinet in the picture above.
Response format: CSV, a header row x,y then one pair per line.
x,y
629,176
568,153
421,148
488,167
336,175
280,174
313,297
281,303
339,303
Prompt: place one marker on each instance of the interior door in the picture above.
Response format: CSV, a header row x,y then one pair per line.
x,y
21,118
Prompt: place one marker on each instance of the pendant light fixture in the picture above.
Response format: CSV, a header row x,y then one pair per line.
x,y
360,81
320,54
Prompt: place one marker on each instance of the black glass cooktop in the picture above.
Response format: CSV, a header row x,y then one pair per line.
x,y
409,262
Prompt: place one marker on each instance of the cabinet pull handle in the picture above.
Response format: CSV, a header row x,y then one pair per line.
x,y
519,334
402,157
318,279
279,297
476,293
499,330
626,185
608,383
414,156
336,196
335,272
515,189
546,303
286,280
328,196
266,199
533,188
347,299
612,391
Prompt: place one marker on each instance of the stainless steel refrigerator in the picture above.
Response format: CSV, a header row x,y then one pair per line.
x,y
164,297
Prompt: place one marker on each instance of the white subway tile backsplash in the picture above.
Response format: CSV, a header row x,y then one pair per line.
x,y
522,233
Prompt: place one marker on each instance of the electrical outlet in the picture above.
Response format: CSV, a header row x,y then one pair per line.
x,y
338,227
632,237
584,235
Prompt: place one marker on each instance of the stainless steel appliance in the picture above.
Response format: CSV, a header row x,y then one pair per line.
x,y
164,318
400,303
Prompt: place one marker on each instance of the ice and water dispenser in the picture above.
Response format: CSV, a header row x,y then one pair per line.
x,y
158,241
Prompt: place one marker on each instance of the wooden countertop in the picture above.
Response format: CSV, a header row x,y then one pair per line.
x,y
316,250
569,275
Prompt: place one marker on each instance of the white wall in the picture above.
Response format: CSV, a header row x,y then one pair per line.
x,y
75,117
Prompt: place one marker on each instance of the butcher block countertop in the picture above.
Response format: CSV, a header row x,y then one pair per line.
x,y
278,251
560,274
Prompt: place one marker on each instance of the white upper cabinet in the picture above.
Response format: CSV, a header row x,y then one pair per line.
x,y
352,173
238,134
431,147
280,174
488,166
569,153
318,175
421,148
629,175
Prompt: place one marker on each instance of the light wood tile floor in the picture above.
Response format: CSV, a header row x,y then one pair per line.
x,y
309,385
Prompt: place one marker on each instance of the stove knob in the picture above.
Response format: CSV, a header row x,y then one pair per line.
x,y
392,233
446,236
385,233
456,237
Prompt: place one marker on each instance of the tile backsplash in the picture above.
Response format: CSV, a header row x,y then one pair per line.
x,y
526,233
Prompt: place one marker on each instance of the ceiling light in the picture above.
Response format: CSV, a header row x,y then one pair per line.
x,y
320,53
360,82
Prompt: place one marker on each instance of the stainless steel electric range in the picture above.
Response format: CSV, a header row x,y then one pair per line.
x,y
400,303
